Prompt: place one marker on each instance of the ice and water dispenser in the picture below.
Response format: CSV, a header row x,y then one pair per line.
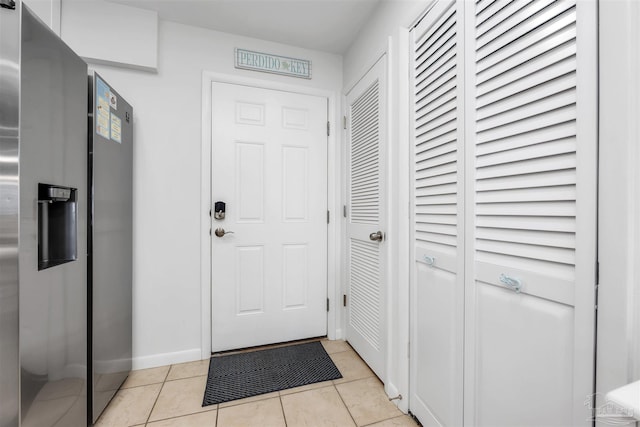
x,y
57,225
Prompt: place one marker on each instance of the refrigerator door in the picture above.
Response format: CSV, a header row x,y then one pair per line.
x,y
111,171
9,204
53,289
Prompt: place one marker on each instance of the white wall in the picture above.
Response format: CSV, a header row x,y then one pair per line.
x,y
388,31
618,352
111,34
167,178
48,11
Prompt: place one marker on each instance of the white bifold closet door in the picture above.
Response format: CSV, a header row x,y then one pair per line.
x,y
503,287
437,300
532,156
366,219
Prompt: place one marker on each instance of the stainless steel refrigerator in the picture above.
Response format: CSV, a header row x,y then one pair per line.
x,y
110,241
43,225
65,230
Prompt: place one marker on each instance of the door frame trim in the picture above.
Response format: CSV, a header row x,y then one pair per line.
x,y
334,183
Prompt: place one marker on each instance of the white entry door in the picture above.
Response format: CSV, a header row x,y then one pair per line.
x,y
269,167
366,222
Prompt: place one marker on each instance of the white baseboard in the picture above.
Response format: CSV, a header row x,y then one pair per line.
x,y
163,359
339,335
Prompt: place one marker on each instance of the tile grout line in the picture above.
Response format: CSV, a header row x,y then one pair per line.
x,y
158,396
284,415
386,419
345,405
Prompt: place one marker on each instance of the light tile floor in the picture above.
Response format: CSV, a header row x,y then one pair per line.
x,y
171,396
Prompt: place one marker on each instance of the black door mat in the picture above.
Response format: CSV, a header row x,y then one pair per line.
x,y
241,375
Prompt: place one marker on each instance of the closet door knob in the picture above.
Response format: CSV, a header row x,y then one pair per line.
x,y
377,236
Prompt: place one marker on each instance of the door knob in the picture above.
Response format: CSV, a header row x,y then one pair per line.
x,y
377,236
220,232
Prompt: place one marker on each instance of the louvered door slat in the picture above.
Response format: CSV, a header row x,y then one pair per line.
x,y
548,223
434,190
529,110
530,166
483,6
435,161
435,65
511,248
500,78
545,149
510,13
560,84
543,120
436,82
490,10
435,151
533,137
536,180
364,156
550,43
425,125
531,194
446,22
528,236
440,199
423,182
557,23
443,130
534,81
432,45
424,99
429,106
424,143
507,33
437,109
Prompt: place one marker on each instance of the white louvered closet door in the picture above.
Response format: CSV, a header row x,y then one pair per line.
x,y
366,258
530,292
437,297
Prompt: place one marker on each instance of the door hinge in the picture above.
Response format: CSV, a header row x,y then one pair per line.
x,y
344,211
328,128
409,348
344,300
328,216
597,272
344,122
327,304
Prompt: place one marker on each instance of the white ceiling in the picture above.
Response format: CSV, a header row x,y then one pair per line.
x,y
326,25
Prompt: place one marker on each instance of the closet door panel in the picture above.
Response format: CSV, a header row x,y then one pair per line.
x,y
530,288
519,381
437,282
